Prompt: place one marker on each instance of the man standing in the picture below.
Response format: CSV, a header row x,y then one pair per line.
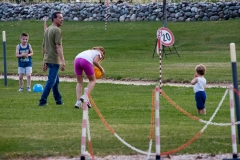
x,y
53,59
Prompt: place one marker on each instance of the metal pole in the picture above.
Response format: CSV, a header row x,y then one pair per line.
x,y
4,58
106,14
235,83
164,14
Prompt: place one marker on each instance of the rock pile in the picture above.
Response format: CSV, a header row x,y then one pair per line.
x,y
123,12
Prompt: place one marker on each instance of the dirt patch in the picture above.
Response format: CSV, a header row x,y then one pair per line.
x,y
144,157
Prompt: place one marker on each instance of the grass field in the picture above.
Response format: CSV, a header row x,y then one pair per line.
x,y
31,131
129,48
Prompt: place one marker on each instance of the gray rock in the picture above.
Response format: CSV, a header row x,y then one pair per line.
x,y
133,17
122,18
188,14
194,9
182,11
205,18
75,19
181,19
214,18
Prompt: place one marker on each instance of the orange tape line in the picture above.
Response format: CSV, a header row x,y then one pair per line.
x,y
91,150
183,146
100,115
179,108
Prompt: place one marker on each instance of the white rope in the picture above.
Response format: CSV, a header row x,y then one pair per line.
x,y
133,148
149,150
215,123
219,124
146,153
214,114
202,130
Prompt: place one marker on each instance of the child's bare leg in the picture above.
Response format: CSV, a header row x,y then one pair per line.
x,y
198,111
29,80
79,86
21,80
204,111
91,83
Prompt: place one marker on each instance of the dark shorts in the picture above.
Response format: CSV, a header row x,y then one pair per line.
x,y
81,65
200,98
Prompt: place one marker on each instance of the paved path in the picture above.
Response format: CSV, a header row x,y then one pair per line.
x,y
139,83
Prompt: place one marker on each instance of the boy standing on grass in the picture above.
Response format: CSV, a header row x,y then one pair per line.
x,y
24,54
199,83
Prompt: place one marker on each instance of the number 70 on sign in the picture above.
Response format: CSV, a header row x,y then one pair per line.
x,y
165,36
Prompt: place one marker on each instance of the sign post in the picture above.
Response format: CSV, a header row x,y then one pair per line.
x,y
164,37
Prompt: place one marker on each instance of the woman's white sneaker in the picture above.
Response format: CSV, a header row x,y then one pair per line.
x,y
88,103
78,104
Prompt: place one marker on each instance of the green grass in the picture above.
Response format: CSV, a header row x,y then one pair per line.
x,y
27,130
31,131
129,48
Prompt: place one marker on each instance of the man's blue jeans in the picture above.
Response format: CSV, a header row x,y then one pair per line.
x,y
52,83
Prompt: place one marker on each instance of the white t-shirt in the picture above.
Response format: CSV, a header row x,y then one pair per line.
x,y
200,85
89,55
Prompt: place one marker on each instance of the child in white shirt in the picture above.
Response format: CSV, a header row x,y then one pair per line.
x,y
199,83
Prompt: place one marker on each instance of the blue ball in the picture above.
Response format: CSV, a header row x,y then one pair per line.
x,y
37,88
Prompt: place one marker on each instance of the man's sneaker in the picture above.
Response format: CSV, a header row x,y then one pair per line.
x,y
60,103
78,105
29,89
20,89
41,105
88,103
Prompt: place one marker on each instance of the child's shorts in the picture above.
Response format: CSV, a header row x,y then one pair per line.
x,y
24,70
200,98
81,65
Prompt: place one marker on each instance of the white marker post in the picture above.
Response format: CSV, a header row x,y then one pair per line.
x,y
233,129
4,58
84,125
157,123
235,83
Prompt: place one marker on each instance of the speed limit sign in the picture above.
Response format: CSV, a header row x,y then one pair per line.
x,y
166,36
